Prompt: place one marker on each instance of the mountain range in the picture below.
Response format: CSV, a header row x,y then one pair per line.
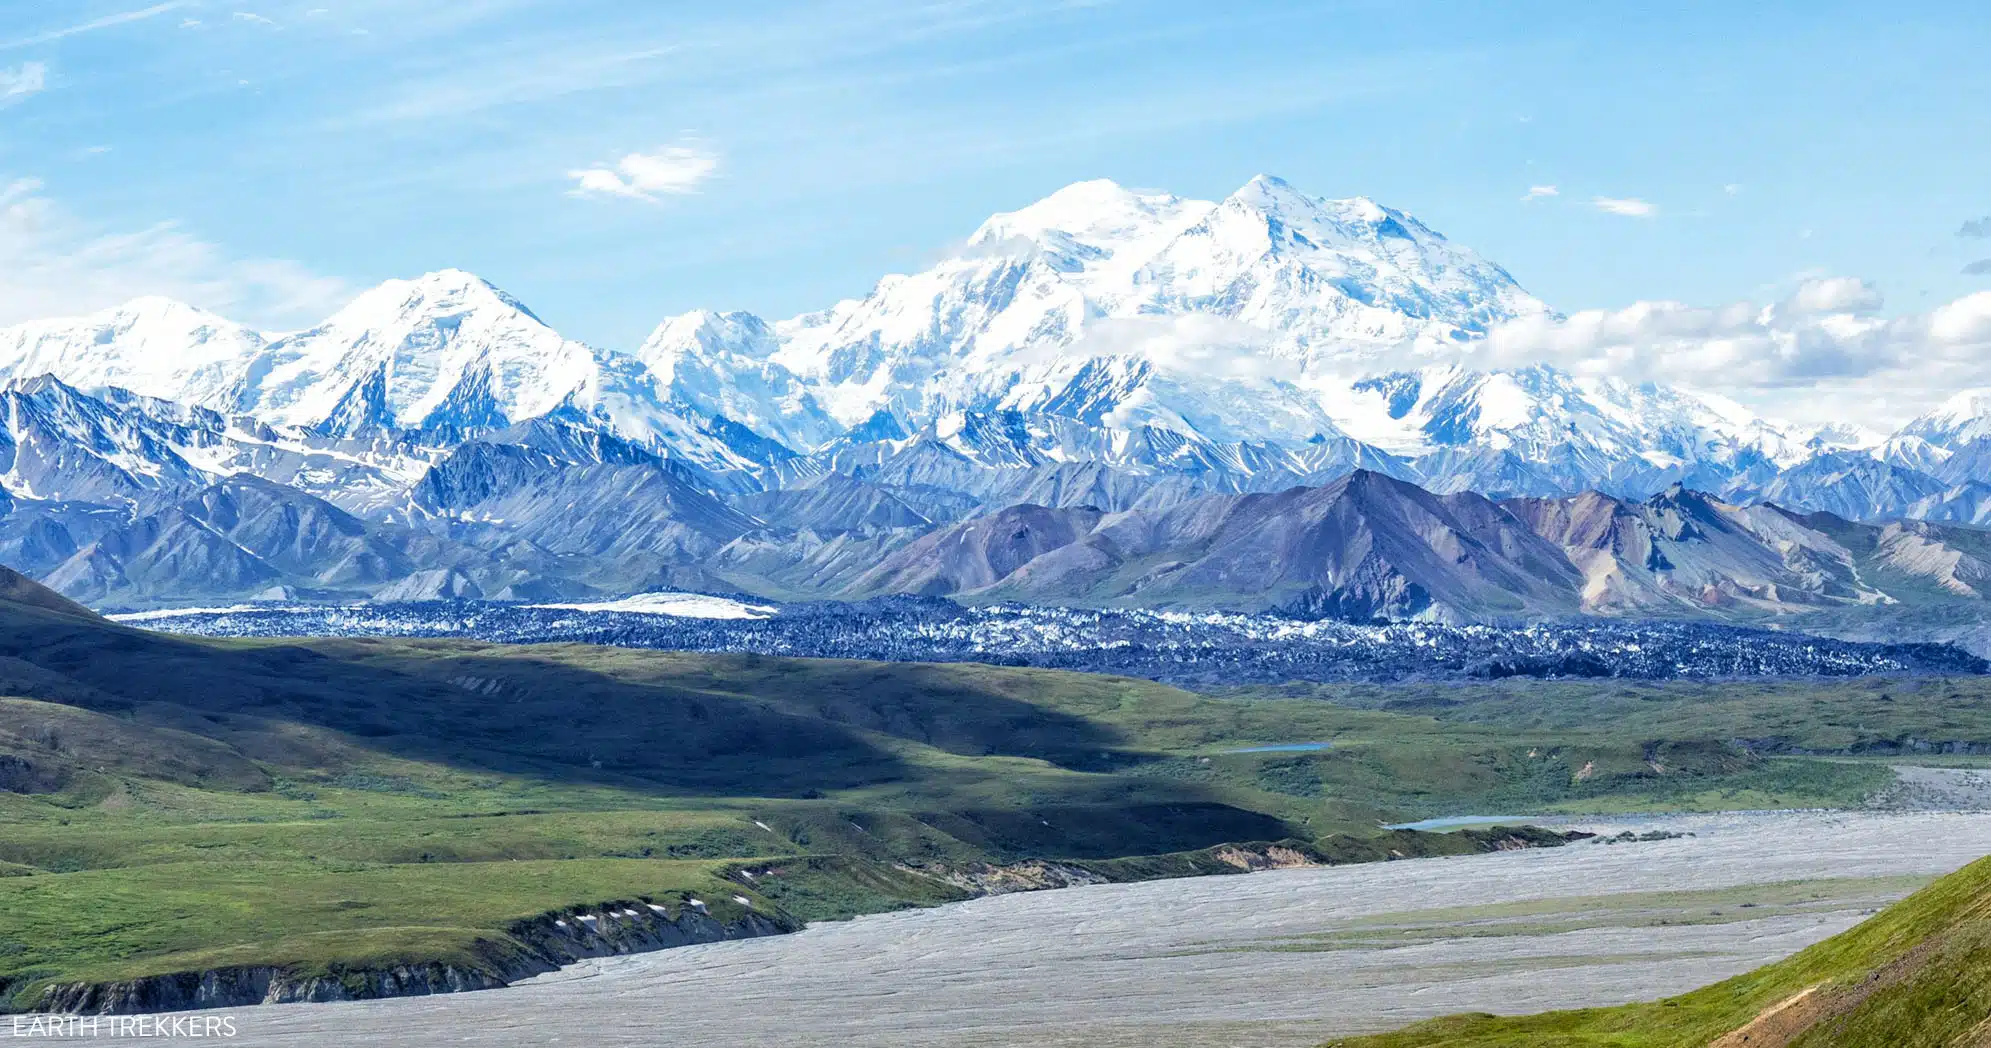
x,y
1108,396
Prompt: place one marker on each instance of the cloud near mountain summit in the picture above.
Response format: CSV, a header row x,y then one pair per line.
x,y
1827,333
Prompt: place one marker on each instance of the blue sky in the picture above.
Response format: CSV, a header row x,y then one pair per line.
x,y
266,157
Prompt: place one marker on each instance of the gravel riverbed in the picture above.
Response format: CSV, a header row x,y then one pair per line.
x,y
1285,958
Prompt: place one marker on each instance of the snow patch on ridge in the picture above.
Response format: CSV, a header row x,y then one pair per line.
x,y
677,605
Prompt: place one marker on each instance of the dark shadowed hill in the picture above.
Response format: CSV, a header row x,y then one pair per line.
x,y
18,592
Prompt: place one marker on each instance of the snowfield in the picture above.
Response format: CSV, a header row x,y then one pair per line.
x,y
676,605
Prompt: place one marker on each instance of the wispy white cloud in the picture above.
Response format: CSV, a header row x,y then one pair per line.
x,y
16,84
808,43
91,26
1732,189
553,76
671,171
1813,355
253,18
1824,295
52,262
1630,207
1539,192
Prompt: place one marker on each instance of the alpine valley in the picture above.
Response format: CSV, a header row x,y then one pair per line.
x,y
1108,398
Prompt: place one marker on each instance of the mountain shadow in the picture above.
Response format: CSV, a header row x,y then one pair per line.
x,y
681,724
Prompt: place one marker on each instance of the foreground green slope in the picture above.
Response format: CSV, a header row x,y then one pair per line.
x,y
1917,975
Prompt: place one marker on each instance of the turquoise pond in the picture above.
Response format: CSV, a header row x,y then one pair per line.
x,y
1453,822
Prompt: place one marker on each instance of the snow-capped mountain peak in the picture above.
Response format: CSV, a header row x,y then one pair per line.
x,y
154,346
718,365
1091,221
1337,284
1272,195
447,349
1297,285
703,333
1844,436
1476,429
448,356
1959,420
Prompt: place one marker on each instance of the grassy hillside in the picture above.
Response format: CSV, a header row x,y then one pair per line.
x,y
167,804
1878,716
1917,974
315,803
